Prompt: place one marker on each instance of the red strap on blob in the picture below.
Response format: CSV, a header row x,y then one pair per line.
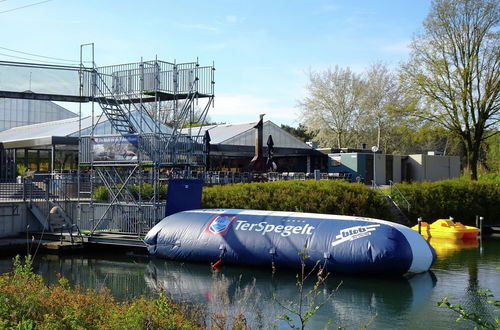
x,y
217,263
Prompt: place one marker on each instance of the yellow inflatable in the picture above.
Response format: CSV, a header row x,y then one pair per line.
x,y
447,228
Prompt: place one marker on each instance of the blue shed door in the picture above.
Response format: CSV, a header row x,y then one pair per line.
x,y
183,195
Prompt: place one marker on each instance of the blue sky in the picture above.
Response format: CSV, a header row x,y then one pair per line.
x,y
262,50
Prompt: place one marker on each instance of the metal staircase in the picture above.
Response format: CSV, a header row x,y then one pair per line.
x,y
397,213
117,117
118,104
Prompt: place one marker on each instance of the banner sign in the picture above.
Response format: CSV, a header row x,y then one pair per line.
x,y
120,148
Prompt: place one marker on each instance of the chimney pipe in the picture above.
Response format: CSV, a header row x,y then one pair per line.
x,y
257,163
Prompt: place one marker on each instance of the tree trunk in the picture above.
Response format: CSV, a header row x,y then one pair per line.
x,y
472,154
473,164
378,136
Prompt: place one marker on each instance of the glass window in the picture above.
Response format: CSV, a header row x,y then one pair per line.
x,y
33,160
44,161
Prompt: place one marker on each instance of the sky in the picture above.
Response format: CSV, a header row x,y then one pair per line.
x,y
262,50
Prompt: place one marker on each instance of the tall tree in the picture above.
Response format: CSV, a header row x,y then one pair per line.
x,y
381,93
331,108
455,68
301,132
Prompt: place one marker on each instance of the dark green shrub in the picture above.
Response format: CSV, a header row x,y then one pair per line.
x,y
163,191
462,199
330,197
100,194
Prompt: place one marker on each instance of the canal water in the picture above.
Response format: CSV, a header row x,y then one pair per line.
x,y
462,268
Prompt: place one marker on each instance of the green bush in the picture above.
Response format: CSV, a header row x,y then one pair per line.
x,y
21,169
461,199
101,193
26,302
330,197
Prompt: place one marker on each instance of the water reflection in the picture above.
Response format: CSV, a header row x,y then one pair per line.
x,y
243,289
461,269
446,247
400,303
356,296
464,254
123,276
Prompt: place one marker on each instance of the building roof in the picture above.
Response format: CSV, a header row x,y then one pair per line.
x,y
223,132
243,134
66,128
233,136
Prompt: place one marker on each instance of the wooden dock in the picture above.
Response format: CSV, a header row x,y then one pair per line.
x,y
62,247
56,242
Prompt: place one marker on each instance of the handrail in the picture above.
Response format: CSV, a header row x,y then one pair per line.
x,y
393,186
376,186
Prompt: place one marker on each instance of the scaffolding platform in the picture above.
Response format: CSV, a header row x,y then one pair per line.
x,y
28,95
147,104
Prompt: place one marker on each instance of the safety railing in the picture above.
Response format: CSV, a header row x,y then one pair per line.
x,y
118,149
117,218
71,80
225,177
399,195
156,76
12,190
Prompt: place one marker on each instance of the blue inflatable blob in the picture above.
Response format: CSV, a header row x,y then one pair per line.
x,y
341,244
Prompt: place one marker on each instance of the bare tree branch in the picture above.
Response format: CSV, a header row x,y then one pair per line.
x,y
454,66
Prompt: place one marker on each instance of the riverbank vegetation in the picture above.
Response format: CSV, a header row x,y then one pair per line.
x,y
26,302
325,196
462,199
484,320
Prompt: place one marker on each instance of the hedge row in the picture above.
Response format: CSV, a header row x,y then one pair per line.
x,y
461,199
331,197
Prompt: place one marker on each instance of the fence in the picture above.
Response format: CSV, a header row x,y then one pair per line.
x,y
184,150
44,191
224,177
164,77
119,218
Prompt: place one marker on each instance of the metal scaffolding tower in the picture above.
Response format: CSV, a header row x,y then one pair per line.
x,y
150,108
134,164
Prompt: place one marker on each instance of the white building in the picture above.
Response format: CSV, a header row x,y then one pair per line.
x,y
21,112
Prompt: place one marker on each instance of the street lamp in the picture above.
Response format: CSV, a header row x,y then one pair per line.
x,y
374,150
